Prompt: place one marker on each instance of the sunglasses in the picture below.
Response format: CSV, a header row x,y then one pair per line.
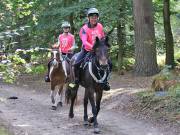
x,y
66,27
93,15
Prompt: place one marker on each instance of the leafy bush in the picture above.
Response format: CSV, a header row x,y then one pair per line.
x,y
127,64
16,63
38,69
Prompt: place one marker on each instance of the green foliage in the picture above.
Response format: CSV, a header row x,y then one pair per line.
x,y
16,64
127,63
177,56
8,73
11,69
3,131
16,59
38,69
174,91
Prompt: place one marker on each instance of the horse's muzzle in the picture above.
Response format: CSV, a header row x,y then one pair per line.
x,y
104,67
55,63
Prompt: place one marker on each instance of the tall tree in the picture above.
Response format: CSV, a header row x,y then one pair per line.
x,y
121,35
145,48
168,34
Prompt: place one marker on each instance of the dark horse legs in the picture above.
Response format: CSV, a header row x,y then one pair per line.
x,y
94,110
73,97
98,102
85,108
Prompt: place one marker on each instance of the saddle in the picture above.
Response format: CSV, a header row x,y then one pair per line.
x,y
67,57
87,58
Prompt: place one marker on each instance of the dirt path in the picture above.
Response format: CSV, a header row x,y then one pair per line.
x,y
30,114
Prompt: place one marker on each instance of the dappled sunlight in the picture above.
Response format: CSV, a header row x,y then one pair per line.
x,y
119,91
113,92
2,99
161,60
137,90
23,125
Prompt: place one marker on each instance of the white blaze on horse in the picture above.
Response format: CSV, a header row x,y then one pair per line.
x,y
58,77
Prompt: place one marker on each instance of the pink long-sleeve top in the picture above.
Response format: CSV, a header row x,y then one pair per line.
x,y
66,42
88,35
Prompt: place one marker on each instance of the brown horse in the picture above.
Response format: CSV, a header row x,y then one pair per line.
x,y
59,71
92,75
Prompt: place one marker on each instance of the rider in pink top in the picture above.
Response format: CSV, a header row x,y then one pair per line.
x,y
88,39
88,34
66,41
66,44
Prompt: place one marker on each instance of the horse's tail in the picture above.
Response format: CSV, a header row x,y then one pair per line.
x,y
71,93
67,95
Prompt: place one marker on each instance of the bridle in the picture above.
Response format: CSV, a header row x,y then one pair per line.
x,y
92,64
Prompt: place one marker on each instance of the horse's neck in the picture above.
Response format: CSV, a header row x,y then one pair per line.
x,y
94,68
94,64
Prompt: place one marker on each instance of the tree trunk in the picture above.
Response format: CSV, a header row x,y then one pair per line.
x,y
121,40
121,34
145,48
168,35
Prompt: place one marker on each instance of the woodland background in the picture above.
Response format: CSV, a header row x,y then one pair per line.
x,y
144,35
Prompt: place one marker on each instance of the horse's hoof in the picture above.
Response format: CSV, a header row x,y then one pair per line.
x,y
96,130
91,120
60,104
86,123
53,107
71,116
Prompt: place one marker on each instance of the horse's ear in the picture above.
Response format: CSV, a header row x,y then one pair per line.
x,y
96,43
106,41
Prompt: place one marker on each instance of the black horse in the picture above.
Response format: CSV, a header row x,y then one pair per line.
x,y
94,71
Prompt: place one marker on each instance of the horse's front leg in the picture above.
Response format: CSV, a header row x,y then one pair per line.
x,y
94,110
85,108
73,95
60,95
98,103
56,98
52,95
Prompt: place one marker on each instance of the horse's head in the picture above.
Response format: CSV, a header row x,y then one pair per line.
x,y
56,57
101,52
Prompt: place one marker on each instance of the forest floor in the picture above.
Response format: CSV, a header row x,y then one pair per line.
x,y
30,114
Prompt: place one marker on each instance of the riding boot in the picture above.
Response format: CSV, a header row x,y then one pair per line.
x,y
47,79
77,64
76,74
